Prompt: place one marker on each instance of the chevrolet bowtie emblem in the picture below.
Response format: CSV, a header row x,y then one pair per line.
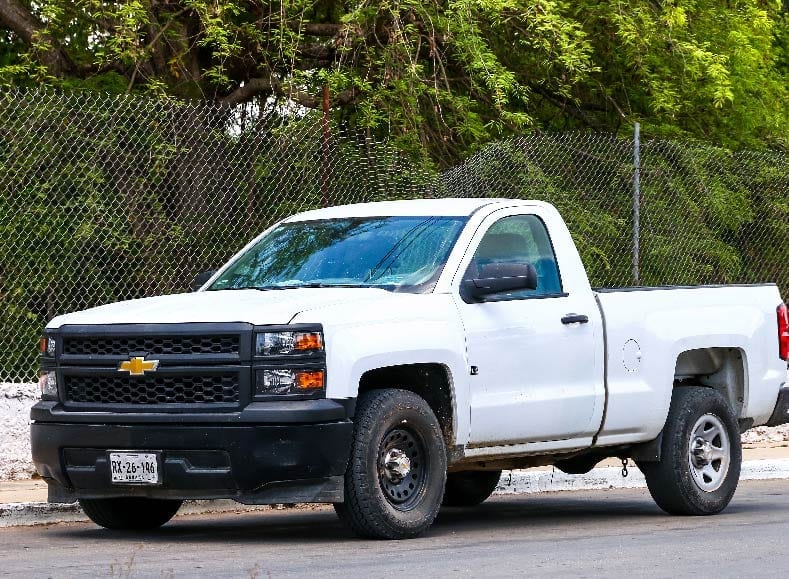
x,y
138,366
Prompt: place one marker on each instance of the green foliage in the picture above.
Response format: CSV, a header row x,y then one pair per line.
x,y
443,77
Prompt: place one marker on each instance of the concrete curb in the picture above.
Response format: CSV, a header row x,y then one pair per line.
x,y
525,482
512,482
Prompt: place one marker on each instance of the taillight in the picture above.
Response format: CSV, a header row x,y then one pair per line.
x,y
783,332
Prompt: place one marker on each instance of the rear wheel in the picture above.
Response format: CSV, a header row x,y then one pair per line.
x,y
130,513
701,455
468,489
397,469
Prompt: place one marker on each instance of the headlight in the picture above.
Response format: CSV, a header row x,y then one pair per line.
x,y
288,381
47,346
287,343
48,386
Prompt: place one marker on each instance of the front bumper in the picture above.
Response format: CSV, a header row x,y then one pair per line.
x,y
278,461
781,412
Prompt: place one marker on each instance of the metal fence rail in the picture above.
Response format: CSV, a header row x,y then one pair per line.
x,y
104,198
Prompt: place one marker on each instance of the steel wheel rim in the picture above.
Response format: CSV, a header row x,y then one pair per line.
x,y
402,467
709,453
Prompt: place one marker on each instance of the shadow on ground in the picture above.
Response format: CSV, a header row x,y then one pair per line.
x,y
538,515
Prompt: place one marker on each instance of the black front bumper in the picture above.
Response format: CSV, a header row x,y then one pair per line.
x,y
781,412
278,461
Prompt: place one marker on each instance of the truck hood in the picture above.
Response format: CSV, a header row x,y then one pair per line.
x,y
250,306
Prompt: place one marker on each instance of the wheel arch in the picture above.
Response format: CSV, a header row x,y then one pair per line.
x,y
721,368
430,381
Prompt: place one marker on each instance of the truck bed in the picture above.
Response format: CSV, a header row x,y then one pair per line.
x,y
707,330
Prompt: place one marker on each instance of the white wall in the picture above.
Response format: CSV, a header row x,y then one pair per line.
x,y
15,403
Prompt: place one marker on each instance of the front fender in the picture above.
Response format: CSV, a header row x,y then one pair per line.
x,y
353,348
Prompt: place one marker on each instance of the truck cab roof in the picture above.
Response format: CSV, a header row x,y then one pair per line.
x,y
447,207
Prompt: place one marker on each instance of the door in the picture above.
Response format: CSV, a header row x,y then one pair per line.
x,y
536,353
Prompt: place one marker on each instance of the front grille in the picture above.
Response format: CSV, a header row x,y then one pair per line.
x,y
155,345
91,389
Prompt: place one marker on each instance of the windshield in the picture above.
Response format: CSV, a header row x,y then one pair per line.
x,y
394,253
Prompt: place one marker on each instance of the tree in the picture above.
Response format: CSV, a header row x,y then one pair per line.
x,y
443,76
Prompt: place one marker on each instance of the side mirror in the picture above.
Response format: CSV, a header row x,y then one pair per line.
x,y
201,279
499,278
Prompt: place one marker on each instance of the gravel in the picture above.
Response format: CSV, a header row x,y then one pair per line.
x,y
762,435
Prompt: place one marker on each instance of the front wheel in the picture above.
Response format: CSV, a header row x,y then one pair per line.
x,y
701,455
130,513
397,469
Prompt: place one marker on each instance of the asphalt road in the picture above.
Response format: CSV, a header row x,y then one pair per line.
x,y
578,534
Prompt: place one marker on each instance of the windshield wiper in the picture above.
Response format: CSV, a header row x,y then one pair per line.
x,y
265,288
226,289
313,284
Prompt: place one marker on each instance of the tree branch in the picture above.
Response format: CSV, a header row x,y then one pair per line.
x,y
317,52
19,19
251,88
257,86
566,106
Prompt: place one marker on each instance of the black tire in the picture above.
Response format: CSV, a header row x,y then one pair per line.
x,y
686,480
402,500
471,488
130,513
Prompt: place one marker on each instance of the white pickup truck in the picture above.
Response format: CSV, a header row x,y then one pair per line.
x,y
390,357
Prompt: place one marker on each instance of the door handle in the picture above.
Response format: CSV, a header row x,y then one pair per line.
x,y
575,319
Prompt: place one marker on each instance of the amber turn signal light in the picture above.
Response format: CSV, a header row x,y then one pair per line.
x,y
308,341
309,380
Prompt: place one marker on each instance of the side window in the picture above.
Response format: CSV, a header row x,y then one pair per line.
x,y
519,239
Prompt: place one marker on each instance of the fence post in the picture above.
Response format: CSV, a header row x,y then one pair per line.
x,y
636,200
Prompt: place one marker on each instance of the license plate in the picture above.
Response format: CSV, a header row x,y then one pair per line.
x,y
134,468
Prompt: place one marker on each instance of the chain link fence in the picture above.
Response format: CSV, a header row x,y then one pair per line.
x,y
707,215
105,198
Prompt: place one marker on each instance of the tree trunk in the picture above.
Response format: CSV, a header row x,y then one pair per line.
x,y
18,18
